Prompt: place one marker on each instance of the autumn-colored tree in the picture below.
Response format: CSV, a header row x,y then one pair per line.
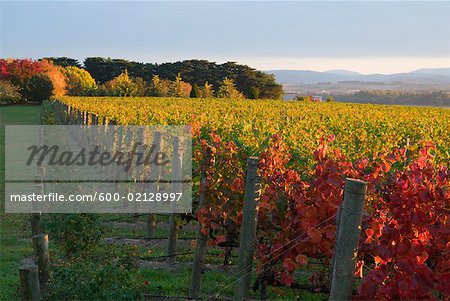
x,y
228,90
4,69
79,82
142,87
159,87
56,75
207,90
19,72
123,85
179,88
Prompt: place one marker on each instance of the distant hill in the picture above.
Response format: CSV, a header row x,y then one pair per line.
x,y
422,76
343,72
436,71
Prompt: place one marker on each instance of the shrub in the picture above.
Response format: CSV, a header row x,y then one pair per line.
x,y
48,114
228,90
305,98
85,280
78,233
39,88
9,93
79,82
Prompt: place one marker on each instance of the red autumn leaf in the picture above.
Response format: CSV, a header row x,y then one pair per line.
x,y
286,279
379,260
422,258
289,264
385,166
205,231
359,269
301,259
369,234
220,239
315,235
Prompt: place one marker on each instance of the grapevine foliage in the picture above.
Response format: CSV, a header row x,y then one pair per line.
x,y
404,244
405,235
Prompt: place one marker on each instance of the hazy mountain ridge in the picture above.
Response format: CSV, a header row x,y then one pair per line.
x,y
421,76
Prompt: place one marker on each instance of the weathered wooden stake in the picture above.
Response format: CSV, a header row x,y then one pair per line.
x,y
202,239
37,225
155,174
346,246
248,230
40,244
172,240
176,187
151,225
29,280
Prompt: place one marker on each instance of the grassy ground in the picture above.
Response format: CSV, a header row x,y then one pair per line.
x,y
15,231
16,244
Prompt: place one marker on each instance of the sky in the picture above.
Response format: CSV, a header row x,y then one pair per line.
x,y
368,37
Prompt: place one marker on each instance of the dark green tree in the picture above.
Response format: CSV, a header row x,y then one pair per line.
x,y
39,88
195,92
64,61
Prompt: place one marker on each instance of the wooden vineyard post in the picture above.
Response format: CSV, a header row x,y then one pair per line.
x,y
155,173
136,170
346,246
201,239
40,244
248,230
29,280
37,225
176,187
131,173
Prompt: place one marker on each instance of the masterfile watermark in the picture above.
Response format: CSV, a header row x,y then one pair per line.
x,y
113,169
54,156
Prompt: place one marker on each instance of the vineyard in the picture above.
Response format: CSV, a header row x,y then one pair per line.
x,y
302,154
360,131
306,151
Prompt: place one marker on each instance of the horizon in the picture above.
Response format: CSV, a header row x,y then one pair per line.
x,y
81,60
391,37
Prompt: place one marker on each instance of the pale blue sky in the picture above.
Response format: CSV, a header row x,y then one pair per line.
x,y
361,36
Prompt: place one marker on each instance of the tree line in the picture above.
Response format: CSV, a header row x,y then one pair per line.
x,y
250,82
37,80
399,97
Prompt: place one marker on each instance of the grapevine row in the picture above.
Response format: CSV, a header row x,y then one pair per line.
x,y
403,251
